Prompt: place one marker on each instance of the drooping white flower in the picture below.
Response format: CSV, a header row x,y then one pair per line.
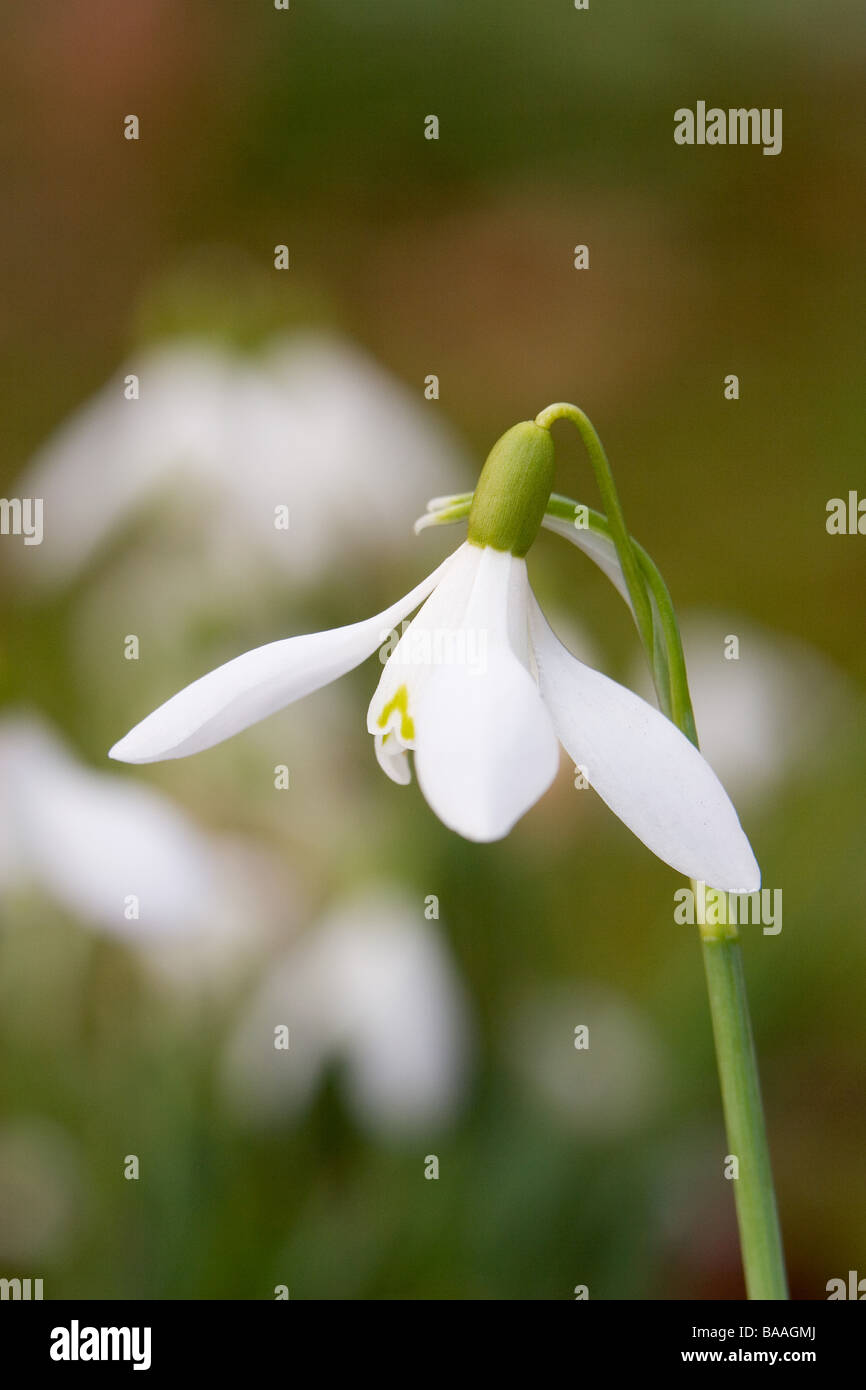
x,y
483,693
372,990
124,860
223,439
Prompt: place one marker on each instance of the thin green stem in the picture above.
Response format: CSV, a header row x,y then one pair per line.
x,y
757,1217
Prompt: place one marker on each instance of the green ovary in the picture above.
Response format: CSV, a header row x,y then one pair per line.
x,y
513,491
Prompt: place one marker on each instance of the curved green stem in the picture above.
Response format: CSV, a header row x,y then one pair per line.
x,y
562,410
665,656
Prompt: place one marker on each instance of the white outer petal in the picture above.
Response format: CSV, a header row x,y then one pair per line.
x,y
259,683
647,772
485,748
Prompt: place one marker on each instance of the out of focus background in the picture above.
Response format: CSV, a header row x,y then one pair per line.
x,y
430,988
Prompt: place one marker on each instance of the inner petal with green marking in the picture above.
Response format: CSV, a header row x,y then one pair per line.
x,y
399,703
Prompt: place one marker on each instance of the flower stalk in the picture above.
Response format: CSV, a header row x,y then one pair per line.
x,y
757,1217
613,510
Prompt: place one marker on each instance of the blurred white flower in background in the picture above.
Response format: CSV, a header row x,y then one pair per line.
x,y
763,715
371,989
602,1090
90,841
43,1194
220,440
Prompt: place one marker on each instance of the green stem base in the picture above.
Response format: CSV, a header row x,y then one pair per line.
x,y
760,1236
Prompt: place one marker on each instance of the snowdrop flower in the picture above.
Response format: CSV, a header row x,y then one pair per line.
x,y
226,440
370,987
483,693
122,858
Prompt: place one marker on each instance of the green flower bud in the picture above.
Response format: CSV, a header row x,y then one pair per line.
x,y
513,490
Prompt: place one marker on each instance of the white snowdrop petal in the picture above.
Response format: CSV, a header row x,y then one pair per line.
x,y
647,772
259,683
485,745
392,758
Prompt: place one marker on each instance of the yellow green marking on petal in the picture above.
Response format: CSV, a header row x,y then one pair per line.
x,y
399,701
